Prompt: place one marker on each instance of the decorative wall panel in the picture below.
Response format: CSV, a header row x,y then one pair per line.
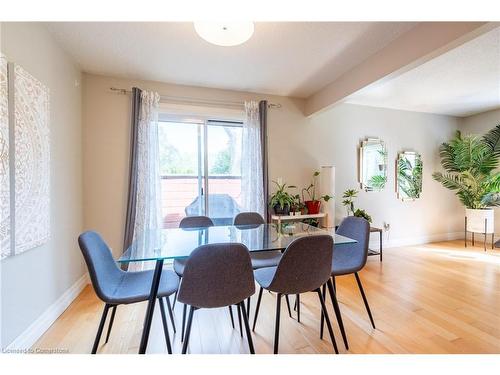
x,y
5,246
32,161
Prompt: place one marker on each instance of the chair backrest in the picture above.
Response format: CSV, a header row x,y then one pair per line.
x,y
217,275
358,229
305,265
248,218
196,222
104,273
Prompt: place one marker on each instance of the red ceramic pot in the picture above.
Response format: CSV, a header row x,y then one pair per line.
x,y
313,207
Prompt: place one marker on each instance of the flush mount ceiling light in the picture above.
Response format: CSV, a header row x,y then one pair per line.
x,y
225,33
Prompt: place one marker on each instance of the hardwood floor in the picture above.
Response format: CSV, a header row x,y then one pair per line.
x,y
436,298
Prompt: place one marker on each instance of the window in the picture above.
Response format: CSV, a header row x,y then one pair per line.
x,y
200,167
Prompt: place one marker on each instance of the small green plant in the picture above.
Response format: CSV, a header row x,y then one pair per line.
x,y
348,201
311,190
281,196
349,196
362,213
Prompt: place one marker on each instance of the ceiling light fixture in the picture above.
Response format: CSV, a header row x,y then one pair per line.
x,y
225,33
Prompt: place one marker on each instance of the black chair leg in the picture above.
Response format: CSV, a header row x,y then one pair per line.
x,y
364,299
328,324
171,313
336,308
188,330
101,327
248,307
277,326
297,302
247,328
334,284
184,311
288,305
257,308
175,300
165,325
239,319
110,325
231,315
322,320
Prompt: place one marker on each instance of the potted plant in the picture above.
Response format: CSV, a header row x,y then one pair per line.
x,y
469,163
281,201
349,197
313,204
297,206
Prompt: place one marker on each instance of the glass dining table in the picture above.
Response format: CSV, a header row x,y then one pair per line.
x,y
159,245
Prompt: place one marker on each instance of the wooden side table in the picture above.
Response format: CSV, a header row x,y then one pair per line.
x,y
374,252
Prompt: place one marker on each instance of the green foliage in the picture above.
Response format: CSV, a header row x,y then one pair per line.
x,y
469,163
378,182
222,163
362,213
348,201
311,190
409,176
281,196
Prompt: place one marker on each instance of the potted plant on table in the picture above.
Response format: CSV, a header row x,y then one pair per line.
x,y
349,196
470,163
281,201
313,204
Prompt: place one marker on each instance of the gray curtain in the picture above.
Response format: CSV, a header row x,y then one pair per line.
x,y
265,172
132,179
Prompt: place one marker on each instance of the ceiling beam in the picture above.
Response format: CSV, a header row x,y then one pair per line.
x,y
422,43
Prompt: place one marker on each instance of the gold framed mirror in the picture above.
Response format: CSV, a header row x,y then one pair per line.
x,y
372,165
409,168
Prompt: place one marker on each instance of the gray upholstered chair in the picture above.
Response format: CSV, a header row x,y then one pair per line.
x,y
349,259
217,275
117,287
260,259
190,222
304,267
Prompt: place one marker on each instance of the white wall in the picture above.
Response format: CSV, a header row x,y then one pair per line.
x,y
480,124
34,280
333,138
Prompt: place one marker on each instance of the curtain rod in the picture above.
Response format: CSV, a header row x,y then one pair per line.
x,y
188,100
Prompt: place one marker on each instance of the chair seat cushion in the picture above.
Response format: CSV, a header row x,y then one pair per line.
x,y
179,265
264,276
136,286
344,262
263,259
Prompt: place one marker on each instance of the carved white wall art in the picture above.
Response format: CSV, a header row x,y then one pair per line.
x,y
32,161
5,245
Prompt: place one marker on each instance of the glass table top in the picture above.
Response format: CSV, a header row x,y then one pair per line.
x,y
179,243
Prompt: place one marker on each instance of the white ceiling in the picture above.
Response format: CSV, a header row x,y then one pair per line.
x,y
290,59
460,82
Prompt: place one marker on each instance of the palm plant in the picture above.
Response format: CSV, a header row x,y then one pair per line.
x,y
470,162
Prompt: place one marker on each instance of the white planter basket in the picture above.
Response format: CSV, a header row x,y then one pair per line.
x,y
480,220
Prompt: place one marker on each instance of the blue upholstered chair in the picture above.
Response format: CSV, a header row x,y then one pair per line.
x,y
304,267
117,287
217,275
348,259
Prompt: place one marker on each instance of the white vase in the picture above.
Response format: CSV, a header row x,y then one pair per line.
x,y
480,220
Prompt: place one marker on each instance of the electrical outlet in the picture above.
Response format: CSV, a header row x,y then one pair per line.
x,y
387,226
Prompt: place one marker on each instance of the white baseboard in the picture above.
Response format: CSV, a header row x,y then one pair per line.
x,y
410,241
30,336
